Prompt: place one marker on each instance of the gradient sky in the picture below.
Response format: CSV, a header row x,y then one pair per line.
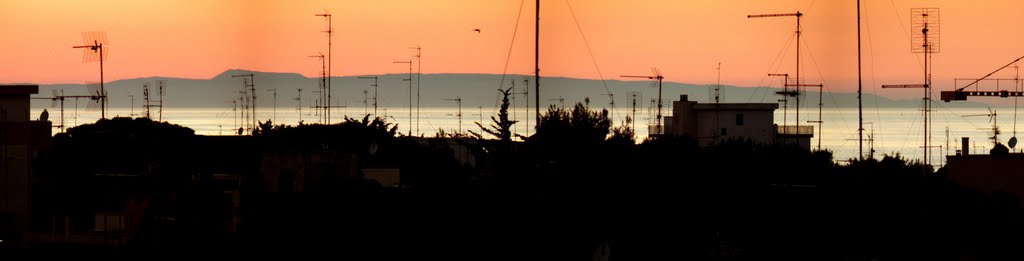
x,y
684,38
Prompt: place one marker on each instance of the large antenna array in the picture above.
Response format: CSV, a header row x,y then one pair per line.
x,y
93,44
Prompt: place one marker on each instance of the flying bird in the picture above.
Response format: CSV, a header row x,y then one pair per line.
x,y
477,30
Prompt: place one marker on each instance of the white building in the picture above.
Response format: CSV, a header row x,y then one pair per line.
x,y
711,123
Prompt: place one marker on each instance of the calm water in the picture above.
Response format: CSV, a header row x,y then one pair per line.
x,y
895,130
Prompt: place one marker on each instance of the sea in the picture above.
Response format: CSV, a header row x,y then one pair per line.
x,y
887,131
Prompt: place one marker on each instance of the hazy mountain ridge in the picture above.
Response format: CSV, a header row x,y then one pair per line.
x,y
474,89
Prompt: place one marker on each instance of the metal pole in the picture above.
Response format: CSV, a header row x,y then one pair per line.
x,y
860,88
103,92
536,61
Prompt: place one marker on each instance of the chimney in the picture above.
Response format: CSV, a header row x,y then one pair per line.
x,y
683,97
964,142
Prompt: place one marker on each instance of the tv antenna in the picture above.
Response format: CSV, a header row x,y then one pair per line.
x,y
419,72
93,44
561,102
635,96
458,100
374,85
718,87
658,80
248,82
526,95
330,33
274,91
785,93
409,79
798,84
366,102
323,85
58,97
993,118
298,99
150,103
820,121
924,39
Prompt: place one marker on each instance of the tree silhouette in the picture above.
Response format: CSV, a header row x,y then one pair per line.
x,y
502,126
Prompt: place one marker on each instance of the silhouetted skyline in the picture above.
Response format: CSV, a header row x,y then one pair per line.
x,y
686,39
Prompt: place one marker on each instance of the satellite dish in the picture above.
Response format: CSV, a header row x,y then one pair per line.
x,y
1012,142
373,148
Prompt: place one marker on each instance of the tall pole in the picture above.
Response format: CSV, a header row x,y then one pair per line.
x,y
298,99
103,92
860,88
330,33
927,83
419,72
274,91
536,62
798,15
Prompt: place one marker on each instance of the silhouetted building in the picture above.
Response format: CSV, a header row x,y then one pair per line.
x,y
20,139
711,123
986,173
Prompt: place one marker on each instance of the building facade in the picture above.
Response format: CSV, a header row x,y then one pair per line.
x,y
713,123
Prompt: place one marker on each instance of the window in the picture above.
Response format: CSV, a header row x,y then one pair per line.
x,y
724,132
739,119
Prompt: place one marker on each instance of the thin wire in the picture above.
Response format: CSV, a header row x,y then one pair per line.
x,y
504,71
874,86
904,28
592,57
778,58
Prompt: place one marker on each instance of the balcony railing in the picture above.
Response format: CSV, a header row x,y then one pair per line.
x,y
795,130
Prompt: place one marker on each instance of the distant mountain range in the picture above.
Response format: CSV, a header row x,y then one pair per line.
x,y
474,90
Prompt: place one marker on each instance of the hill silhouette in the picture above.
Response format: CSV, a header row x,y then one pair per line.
x,y
474,89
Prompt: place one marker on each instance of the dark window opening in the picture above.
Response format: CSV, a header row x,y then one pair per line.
x,y
739,119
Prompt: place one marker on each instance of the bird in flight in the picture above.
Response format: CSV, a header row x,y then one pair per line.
x,y
477,30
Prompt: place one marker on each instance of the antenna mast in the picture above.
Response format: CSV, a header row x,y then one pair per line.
x,y
251,84
458,100
298,98
798,14
419,72
94,42
374,85
330,33
925,41
274,91
658,79
860,88
536,62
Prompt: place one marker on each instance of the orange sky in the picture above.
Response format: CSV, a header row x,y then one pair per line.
x,y
685,38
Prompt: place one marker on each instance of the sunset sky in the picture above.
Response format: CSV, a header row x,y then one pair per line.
x,y
684,38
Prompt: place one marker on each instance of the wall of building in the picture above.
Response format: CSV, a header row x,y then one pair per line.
x,y
757,125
